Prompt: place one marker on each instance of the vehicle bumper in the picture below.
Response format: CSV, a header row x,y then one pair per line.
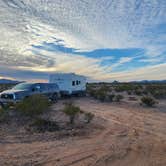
x,y
7,101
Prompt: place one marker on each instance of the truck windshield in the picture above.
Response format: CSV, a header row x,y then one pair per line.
x,y
22,86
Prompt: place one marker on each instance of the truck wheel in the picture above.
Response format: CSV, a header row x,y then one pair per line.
x,y
2,105
54,97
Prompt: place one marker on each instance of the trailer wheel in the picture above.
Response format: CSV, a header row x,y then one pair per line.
x,y
81,94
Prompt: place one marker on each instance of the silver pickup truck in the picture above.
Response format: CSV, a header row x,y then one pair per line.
x,y
22,90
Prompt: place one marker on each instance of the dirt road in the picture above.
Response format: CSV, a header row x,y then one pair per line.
x,y
130,136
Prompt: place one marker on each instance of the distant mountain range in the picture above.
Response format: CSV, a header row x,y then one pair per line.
x,y
150,81
7,81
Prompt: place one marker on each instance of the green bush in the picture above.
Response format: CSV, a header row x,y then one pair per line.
x,y
145,92
92,92
138,92
105,88
101,95
129,92
121,87
4,112
33,105
88,117
3,115
42,125
5,86
8,106
149,101
111,97
71,111
159,94
157,90
118,98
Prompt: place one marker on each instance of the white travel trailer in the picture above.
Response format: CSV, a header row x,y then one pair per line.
x,y
69,83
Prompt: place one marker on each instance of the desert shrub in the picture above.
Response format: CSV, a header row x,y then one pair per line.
x,y
99,92
92,92
118,98
111,97
5,86
4,111
145,92
88,117
8,106
138,92
127,87
157,90
123,87
129,92
71,111
33,105
90,89
159,94
149,101
105,88
95,94
4,114
42,125
101,95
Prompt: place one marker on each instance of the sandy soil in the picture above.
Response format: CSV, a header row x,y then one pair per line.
x,y
130,135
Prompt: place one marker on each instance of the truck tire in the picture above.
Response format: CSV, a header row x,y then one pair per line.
x,y
2,105
54,97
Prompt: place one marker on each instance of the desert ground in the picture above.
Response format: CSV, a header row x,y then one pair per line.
x,y
121,134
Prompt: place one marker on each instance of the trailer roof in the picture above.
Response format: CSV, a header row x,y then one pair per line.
x,y
67,75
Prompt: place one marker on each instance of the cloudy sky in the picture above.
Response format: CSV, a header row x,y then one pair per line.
x,y
104,40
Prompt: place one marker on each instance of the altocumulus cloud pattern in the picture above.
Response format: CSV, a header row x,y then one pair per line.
x,y
102,39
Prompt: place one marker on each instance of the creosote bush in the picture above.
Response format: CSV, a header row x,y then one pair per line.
x,y
33,106
111,97
138,92
118,98
42,125
101,95
3,115
149,101
72,111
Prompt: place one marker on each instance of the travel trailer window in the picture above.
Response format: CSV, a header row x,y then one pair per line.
x,y
77,82
73,83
